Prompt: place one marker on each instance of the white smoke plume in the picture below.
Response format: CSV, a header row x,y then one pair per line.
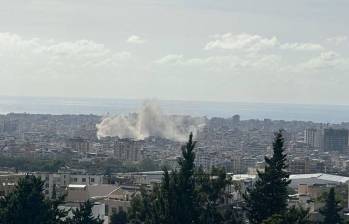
x,y
150,121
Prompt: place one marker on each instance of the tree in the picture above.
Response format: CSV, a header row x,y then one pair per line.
x,y
166,198
136,212
27,204
295,215
269,194
83,215
186,195
211,192
331,209
186,209
148,165
141,210
232,216
119,218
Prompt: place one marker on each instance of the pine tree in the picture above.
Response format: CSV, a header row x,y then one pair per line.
x,y
119,218
269,194
295,215
83,215
136,211
331,209
185,195
166,201
175,200
211,191
142,208
27,204
186,209
232,216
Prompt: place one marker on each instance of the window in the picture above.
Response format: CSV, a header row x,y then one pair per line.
x,y
75,179
83,180
92,180
47,185
113,210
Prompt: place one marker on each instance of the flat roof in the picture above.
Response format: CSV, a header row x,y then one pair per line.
x,y
77,186
321,176
243,177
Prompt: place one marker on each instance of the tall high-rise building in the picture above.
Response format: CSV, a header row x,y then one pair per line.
x,y
335,139
236,119
128,150
79,144
313,137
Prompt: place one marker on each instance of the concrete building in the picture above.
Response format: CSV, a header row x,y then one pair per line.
x,y
236,119
142,178
317,178
304,165
8,182
59,181
313,137
79,144
108,199
118,200
236,164
128,150
335,139
203,158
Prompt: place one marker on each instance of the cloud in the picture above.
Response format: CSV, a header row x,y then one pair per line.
x,y
325,60
170,59
134,39
337,40
50,58
256,43
301,46
223,62
254,53
244,41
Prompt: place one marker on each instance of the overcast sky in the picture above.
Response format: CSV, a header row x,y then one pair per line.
x,y
294,51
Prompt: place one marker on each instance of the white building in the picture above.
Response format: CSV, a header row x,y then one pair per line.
x,y
59,181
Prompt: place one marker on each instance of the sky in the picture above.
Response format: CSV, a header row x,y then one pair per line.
x,y
197,50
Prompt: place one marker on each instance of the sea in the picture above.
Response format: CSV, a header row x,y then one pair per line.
x,y
105,107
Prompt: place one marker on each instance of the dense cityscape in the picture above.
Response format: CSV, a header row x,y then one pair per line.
x,y
65,152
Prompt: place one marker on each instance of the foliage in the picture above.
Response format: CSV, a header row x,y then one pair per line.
x,y
210,191
232,216
184,184
331,209
31,164
27,204
187,196
269,194
119,218
83,215
295,215
112,165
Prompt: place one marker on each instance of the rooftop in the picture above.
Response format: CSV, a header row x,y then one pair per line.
x,y
76,186
321,176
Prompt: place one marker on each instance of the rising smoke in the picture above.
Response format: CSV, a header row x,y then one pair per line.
x,y
149,121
